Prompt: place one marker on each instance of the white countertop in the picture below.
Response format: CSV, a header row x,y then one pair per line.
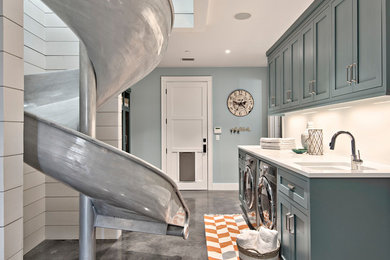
x,y
291,161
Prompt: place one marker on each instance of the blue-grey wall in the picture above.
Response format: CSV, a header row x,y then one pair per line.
x,y
146,115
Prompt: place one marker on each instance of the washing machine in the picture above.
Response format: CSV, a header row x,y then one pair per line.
x,y
266,189
247,195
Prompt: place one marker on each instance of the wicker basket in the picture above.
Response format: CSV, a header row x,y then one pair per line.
x,y
253,254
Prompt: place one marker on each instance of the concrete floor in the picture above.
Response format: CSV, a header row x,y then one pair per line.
x,y
141,246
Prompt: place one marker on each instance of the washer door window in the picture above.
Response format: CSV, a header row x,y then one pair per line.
x,y
266,203
249,187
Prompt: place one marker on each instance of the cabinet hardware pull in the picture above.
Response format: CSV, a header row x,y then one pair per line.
x,y
354,73
291,187
292,216
289,92
273,99
288,221
348,68
313,86
351,74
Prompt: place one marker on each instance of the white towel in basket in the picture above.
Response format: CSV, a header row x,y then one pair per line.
x,y
247,239
267,240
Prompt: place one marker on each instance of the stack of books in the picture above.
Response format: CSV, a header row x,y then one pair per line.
x,y
278,143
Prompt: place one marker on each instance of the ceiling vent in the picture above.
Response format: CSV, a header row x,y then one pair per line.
x,y
187,59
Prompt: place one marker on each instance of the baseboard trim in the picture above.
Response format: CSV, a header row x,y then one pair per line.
x,y
224,186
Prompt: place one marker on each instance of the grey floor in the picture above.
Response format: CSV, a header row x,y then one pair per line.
x,y
140,246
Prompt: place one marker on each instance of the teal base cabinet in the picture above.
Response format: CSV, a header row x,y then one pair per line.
x,y
293,227
341,54
333,218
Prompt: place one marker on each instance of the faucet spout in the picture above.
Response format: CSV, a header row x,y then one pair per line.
x,y
332,143
356,161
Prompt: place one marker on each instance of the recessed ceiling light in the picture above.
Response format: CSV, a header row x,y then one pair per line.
x,y
242,16
228,51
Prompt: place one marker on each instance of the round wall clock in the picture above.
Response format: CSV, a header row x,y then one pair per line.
x,y
240,102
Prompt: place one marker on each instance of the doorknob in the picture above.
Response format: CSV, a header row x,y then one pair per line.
x,y
204,145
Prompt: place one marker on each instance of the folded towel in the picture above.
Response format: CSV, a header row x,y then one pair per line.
x,y
267,240
278,147
277,140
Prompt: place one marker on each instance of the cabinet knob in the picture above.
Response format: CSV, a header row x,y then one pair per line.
x,y
291,187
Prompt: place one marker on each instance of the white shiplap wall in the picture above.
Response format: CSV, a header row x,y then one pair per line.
x,y
51,46
34,181
11,129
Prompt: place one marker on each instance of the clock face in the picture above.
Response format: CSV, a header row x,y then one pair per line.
x,y
240,102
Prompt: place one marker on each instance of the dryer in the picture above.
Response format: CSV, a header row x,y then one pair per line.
x,y
266,190
248,178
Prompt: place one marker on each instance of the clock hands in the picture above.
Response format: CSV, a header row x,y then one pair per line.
x,y
240,104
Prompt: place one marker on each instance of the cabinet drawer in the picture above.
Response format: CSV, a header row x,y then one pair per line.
x,y
295,188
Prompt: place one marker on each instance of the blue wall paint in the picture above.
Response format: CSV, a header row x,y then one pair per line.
x,y
146,115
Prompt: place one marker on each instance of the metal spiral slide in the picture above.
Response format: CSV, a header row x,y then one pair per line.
x,y
121,42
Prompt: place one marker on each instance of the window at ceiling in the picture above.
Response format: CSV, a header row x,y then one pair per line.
x,y
184,13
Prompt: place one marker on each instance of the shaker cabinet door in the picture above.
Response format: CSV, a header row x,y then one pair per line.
x,y
272,85
284,212
278,80
287,76
342,46
292,59
300,232
368,40
307,64
322,54
296,63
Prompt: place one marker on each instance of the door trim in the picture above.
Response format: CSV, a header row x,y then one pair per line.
x,y
208,79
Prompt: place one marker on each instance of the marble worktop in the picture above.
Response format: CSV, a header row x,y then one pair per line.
x,y
335,166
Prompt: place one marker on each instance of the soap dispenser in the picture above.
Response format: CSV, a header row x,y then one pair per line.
x,y
305,134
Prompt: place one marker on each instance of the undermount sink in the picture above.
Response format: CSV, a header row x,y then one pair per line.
x,y
329,166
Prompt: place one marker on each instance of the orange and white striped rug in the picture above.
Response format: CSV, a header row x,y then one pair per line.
x,y
221,234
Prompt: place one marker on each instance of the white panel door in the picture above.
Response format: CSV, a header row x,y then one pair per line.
x,y
186,133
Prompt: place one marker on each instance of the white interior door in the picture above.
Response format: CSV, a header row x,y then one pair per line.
x,y
186,129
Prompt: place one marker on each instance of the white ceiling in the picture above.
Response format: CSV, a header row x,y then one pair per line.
x,y
216,30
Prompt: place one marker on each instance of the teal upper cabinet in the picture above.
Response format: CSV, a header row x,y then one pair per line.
x,y
322,54
292,58
272,85
308,64
316,58
357,45
278,80
335,52
275,82
296,62
287,76
367,62
342,28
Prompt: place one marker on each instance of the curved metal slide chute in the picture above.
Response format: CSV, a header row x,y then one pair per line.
x,y
125,40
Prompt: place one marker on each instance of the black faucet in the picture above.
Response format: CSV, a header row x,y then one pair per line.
x,y
356,161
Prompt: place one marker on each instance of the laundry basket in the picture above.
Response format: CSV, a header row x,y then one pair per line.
x,y
253,254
